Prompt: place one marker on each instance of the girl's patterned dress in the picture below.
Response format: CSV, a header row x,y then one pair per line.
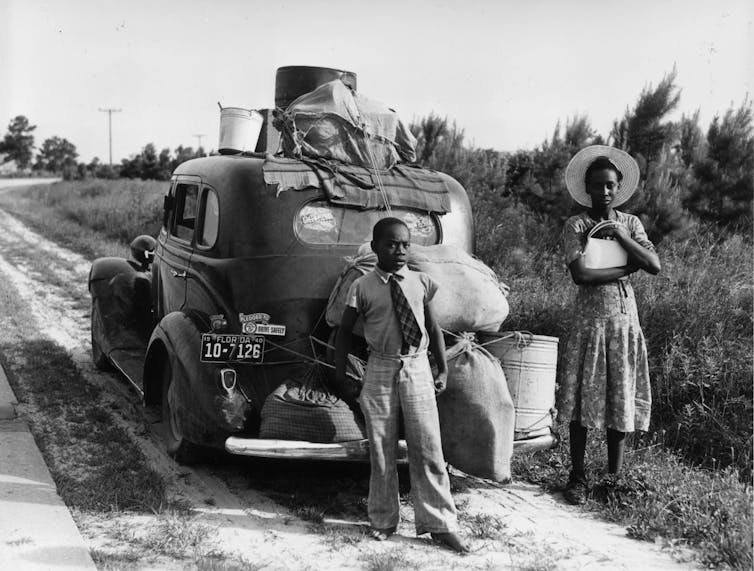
x,y
603,374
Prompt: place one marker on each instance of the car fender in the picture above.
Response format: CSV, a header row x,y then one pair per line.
x,y
121,314
205,412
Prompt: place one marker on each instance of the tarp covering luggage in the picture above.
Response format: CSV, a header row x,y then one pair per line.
x,y
334,123
403,186
306,410
477,417
470,297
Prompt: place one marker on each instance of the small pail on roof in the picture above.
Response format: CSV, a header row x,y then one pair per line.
x,y
239,130
529,362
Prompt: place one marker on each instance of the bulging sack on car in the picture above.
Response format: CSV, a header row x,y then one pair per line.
x,y
477,417
470,296
306,410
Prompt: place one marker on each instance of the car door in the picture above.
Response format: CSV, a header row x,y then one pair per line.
x,y
205,272
174,252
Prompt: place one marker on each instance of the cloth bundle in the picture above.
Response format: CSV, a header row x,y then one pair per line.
x,y
334,123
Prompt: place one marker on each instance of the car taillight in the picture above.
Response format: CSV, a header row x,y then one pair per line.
x,y
228,379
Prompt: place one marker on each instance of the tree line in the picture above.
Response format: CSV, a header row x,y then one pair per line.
x,y
686,173
58,156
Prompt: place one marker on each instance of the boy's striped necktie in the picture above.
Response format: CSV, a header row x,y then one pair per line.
x,y
412,335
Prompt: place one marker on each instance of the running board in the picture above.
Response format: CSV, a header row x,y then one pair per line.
x,y
351,451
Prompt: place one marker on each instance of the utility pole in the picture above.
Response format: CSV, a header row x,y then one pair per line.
x,y
199,141
110,112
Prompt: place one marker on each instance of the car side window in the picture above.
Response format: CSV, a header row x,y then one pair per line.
x,y
210,217
186,196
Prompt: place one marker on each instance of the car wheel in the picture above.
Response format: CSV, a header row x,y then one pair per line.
x,y
178,448
99,358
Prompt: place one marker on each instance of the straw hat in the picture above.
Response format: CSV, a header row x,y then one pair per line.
x,y
576,169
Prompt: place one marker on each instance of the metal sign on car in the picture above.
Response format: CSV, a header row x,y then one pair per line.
x,y
232,348
263,329
259,324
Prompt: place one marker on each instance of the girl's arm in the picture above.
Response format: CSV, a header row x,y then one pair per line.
x,y
642,257
588,276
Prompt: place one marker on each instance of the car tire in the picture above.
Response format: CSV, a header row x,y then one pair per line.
x,y
181,450
100,360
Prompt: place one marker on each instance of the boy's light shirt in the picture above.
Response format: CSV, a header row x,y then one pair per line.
x,y
372,300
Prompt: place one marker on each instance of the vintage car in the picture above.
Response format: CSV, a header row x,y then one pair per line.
x,y
233,301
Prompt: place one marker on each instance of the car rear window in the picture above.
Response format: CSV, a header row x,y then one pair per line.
x,y
322,223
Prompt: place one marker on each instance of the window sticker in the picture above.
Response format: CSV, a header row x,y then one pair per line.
x,y
317,218
418,225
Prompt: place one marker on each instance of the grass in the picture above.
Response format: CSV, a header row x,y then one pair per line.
x,y
94,462
659,498
95,218
386,561
172,536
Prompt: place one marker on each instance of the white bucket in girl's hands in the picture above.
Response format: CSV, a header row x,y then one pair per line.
x,y
239,130
529,362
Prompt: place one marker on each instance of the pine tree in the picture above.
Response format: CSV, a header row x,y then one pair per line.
x,y
18,142
724,183
55,155
644,131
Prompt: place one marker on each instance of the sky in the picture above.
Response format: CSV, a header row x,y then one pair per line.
x,y
505,71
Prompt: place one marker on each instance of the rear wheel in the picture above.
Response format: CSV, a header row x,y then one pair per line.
x,y
99,358
180,449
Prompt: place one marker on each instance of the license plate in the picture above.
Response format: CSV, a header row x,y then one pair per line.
x,y
218,348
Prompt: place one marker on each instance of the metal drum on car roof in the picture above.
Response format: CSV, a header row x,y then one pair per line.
x,y
293,81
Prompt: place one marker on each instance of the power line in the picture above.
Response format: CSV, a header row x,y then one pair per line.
x,y
110,112
199,141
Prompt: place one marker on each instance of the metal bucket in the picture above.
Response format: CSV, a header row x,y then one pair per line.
x,y
529,362
239,130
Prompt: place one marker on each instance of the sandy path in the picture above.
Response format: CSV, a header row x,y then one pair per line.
x,y
536,530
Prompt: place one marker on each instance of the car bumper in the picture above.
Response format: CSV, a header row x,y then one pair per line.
x,y
352,451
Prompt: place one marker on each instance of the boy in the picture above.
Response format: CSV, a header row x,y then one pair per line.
x,y
399,326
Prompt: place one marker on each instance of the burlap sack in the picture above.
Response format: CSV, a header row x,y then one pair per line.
x,y
477,417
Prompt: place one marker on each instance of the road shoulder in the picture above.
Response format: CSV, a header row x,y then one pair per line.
x,y
36,528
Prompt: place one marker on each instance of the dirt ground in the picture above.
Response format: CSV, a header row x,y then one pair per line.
x,y
241,514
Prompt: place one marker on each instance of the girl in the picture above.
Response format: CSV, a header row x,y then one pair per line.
x,y
603,376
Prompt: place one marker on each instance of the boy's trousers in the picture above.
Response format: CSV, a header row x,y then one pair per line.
x,y
404,384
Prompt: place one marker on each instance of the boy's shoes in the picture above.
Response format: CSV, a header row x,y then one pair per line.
x,y
451,540
577,489
381,534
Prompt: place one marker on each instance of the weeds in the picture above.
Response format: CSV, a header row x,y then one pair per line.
x,y
659,496
385,561
483,526
172,536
